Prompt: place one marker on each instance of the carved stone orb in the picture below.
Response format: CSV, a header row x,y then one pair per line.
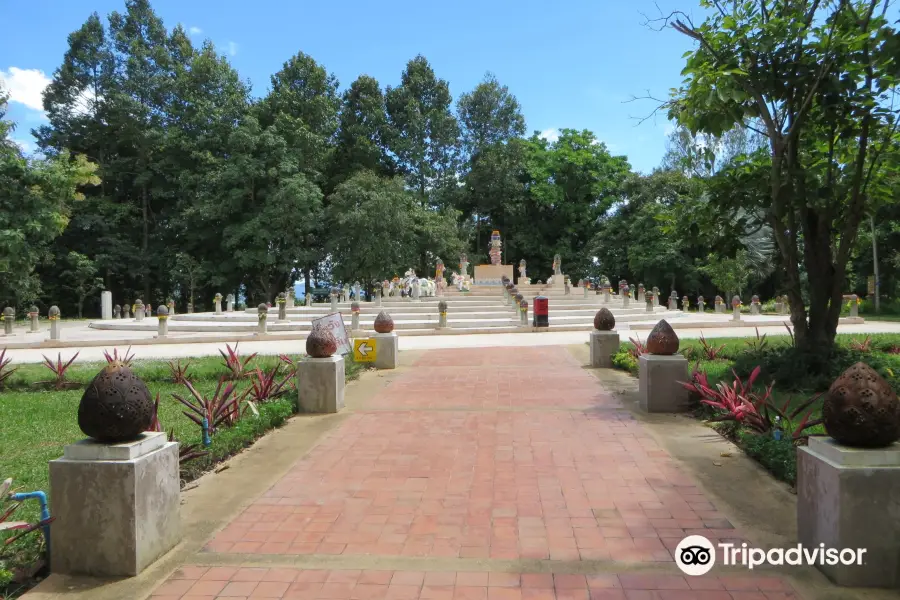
x,y
116,406
321,343
442,307
662,340
604,320
861,409
384,323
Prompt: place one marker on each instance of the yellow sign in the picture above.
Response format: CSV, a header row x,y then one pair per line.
x,y
364,350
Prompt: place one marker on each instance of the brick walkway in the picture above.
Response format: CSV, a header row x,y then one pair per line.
x,y
481,467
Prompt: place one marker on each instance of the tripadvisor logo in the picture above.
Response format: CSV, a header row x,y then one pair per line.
x,y
696,555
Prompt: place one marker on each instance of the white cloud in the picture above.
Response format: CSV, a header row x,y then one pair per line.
x,y
232,48
551,135
668,128
25,86
195,30
27,145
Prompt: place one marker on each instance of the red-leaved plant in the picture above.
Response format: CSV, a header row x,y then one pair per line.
x,y
710,352
863,346
186,452
59,369
179,371
222,408
126,359
265,385
237,368
639,348
756,411
4,371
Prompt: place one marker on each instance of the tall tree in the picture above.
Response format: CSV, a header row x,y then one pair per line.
x,y
492,124
820,77
425,134
363,133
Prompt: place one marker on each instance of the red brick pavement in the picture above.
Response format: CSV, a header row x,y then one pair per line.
x,y
457,458
209,583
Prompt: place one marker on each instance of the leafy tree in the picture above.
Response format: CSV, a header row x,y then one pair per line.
x,y
373,221
80,277
729,275
363,133
819,77
189,271
424,132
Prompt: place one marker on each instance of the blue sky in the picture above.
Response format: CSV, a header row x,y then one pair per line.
x,y
572,63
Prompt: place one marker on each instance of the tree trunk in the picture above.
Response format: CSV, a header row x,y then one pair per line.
x,y
875,265
145,242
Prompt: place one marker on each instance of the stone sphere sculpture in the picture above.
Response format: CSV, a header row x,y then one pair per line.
x,y
604,320
53,312
321,343
442,306
384,323
354,307
519,297
662,340
162,311
736,301
116,406
861,409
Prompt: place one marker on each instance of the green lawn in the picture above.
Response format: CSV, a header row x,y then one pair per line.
x,y
36,423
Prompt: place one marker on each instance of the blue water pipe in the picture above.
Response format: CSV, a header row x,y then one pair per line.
x,y
41,497
206,440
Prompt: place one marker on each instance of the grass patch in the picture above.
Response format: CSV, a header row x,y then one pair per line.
x,y
36,423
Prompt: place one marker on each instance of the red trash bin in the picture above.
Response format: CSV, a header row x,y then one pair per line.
x,y
541,312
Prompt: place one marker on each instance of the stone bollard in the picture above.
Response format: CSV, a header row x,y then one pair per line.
x,y
33,316
148,311
512,296
626,297
190,308
587,288
506,288
778,305
736,308
357,291
128,515
648,299
701,304
53,316
786,305
661,371
9,320
281,302
171,305
126,310
308,299
262,315
606,294
673,300
217,304
604,339
335,292
229,303
656,296
355,331
523,309
378,296
442,314
685,304
117,312
139,310
720,304
754,305
289,297
106,305
854,306
162,327
641,297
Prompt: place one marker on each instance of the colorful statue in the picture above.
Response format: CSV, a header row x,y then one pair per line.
x,y
557,265
494,251
439,270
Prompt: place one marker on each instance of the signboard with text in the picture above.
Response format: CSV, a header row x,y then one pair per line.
x,y
335,324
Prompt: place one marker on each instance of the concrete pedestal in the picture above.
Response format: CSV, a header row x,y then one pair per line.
x,y
162,328
54,329
139,312
848,498
658,378
320,384
603,345
387,346
106,306
492,274
116,506
217,307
